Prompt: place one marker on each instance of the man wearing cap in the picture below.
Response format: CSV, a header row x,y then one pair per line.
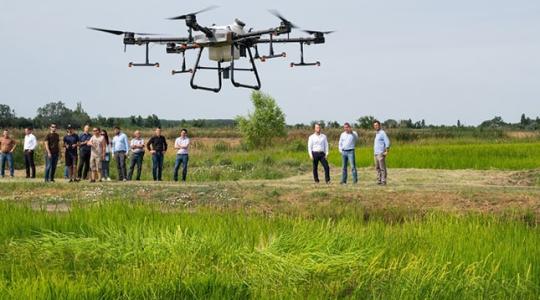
x,y
30,144
84,153
71,142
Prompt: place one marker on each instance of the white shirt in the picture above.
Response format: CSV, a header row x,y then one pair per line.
x,y
30,142
347,141
182,142
317,143
137,142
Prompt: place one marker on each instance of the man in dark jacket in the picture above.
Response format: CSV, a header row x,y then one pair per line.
x,y
84,153
157,146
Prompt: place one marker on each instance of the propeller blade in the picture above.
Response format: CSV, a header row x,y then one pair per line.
x,y
118,32
279,16
115,32
183,17
318,32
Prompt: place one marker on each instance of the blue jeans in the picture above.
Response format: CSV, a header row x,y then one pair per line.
x,y
157,165
349,157
136,160
9,157
50,166
181,159
105,169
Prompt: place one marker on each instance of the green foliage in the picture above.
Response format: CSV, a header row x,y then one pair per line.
x,y
58,113
265,123
366,122
123,250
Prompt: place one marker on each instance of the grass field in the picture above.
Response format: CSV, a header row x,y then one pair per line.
x,y
429,234
459,220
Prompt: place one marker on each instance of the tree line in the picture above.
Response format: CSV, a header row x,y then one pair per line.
x,y
60,114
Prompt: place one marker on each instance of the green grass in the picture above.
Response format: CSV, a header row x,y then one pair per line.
x,y
116,250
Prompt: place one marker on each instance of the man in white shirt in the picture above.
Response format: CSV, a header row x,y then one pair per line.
x,y
347,143
30,144
182,155
318,152
137,155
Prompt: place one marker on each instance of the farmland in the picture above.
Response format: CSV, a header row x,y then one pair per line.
x,y
459,219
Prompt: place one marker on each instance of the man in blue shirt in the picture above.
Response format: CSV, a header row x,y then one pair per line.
x,y
84,153
381,146
347,143
120,148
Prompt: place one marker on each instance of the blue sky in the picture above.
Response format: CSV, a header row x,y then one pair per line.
x,y
435,60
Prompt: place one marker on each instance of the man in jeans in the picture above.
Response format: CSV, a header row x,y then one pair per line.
x,y
137,152
381,146
84,153
318,152
182,155
157,145
52,151
347,143
30,144
7,146
71,142
120,148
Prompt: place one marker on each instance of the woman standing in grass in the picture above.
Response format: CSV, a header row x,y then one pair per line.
x,y
106,162
97,154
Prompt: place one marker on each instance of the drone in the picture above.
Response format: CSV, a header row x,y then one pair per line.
x,y
225,45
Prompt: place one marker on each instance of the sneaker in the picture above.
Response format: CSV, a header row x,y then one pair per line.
x,y
108,178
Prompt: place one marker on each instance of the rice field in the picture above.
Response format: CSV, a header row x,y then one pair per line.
x,y
458,220
140,250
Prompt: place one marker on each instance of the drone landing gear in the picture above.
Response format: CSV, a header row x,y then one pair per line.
x,y
227,72
197,67
302,63
252,69
146,64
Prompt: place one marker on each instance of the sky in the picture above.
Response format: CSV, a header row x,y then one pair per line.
x,y
441,61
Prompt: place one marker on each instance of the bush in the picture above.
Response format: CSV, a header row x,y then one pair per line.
x,y
264,124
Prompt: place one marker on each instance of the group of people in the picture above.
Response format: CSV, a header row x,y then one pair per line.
x,y
318,150
92,151
87,155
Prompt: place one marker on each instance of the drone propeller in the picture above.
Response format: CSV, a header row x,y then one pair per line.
x,y
315,32
285,21
183,17
118,32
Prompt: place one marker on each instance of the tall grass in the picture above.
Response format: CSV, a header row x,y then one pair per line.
x,y
113,250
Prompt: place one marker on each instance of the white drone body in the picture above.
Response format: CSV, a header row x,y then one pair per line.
x,y
223,38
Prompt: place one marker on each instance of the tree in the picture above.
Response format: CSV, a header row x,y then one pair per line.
x,y
321,123
391,123
265,123
366,122
496,122
458,123
7,116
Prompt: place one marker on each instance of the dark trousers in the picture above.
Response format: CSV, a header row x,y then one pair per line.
x,y
120,157
136,160
50,166
84,164
29,164
320,157
181,159
157,165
